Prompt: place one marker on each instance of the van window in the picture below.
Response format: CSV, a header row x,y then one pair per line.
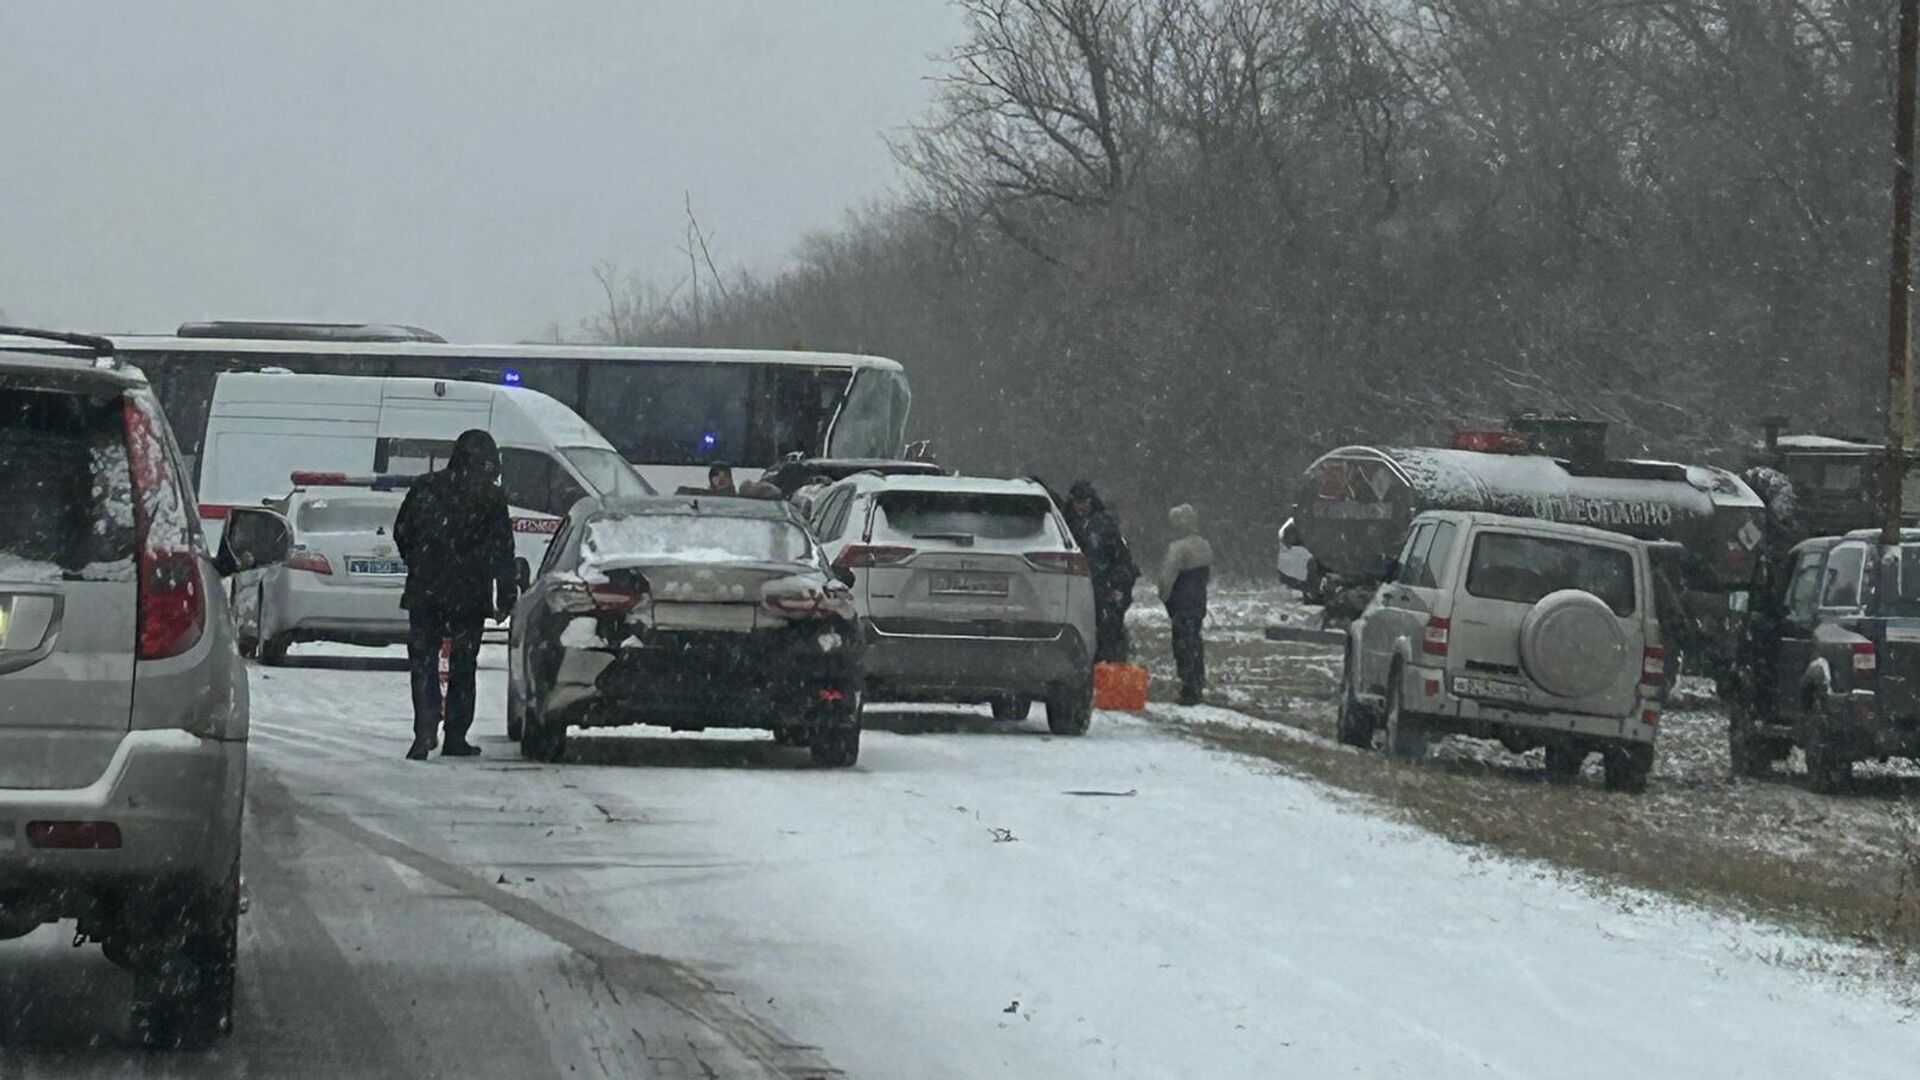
x,y
411,457
348,514
608,472
1413,560
534,481
1841,586
1434,568
65,486
1523,568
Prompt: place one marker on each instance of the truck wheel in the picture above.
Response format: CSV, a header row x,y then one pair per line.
x,y
1406,734
542,738
1354,723
1564,761
1628,767
1012,707
183,992
1070,711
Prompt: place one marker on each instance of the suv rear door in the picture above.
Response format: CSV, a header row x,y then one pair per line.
x,y
1407,601
955,562
68,597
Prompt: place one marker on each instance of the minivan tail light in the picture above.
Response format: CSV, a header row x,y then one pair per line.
x,y
1866,660
311,561
1653,666
859,555
171,605
1434,641
1059,562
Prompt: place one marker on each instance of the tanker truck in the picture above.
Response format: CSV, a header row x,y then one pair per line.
x,y
1354,504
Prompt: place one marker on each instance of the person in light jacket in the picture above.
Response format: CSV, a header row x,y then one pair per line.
x,y
1184,574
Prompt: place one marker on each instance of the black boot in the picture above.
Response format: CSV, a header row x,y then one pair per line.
x,y
459,748
418,751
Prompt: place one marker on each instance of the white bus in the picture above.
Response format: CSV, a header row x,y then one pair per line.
x,y
671,412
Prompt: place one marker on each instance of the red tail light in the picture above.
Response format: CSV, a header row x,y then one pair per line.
x,y
1434,641
311,561
1059,562
172,606
82,835
1653,666
1489,442
1866,660
859,555
614,599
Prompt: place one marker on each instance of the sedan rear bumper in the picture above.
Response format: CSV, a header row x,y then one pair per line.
x,y
305,608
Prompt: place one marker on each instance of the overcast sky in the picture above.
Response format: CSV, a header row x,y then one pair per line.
x,y
459,165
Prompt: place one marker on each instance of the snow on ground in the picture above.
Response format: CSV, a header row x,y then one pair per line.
x,y
981,899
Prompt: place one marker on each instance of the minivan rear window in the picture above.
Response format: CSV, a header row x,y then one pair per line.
x,y
966,516
346,515
1522,569
65,486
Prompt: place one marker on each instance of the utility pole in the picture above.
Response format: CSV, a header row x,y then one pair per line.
x,y
1899,295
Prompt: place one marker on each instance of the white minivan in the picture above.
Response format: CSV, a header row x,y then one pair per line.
x,y
263,427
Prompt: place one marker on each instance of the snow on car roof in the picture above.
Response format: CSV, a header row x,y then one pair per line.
x,y
636,354
970,485
1824,442
1533,525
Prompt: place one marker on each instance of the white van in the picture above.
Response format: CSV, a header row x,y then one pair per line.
x,y
263,427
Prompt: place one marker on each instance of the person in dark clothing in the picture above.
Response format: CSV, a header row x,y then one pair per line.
x,y
1111,566
1184,575
457,539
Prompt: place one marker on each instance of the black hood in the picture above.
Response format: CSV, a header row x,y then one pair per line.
x,y
475,456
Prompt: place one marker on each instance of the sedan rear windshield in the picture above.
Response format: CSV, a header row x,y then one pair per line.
x,y
689,538
348,515
967,516
1522,569
65,486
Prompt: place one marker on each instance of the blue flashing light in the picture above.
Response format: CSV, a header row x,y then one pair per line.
x,y
510,376
709,440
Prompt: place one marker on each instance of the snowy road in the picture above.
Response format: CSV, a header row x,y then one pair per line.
x,y
962,904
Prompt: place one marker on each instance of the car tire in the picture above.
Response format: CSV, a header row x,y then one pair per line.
x,y
542,738
1406,734
273,651
1564,761
1070,710
833,740
1627,767
1354,723
1012,707
792,735
184,988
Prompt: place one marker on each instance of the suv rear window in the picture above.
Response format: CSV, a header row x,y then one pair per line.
x,y
346,515
966,516
1522,569
65,486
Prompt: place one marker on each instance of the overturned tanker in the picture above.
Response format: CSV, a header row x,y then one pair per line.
x,y
1355,503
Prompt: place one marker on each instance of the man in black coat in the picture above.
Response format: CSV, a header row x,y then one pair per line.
x,y
1110,564
457,539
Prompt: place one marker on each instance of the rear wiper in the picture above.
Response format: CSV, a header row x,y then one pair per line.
x,y
962,539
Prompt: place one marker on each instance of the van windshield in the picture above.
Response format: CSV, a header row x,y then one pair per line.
x,y
1522,569
608,473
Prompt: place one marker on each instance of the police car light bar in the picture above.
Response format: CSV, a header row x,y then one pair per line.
x,y
376,481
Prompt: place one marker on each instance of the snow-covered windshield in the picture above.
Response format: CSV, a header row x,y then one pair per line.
x,y
65,503
608,473
345,514
639,539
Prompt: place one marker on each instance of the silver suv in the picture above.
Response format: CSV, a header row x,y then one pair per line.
x,y
1534,633
968,590
123,702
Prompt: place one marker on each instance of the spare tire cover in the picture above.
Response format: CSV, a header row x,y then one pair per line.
x,y
1571,644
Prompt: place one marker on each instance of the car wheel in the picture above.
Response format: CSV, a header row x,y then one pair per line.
x,y
273,652
1406,735
1070,711
836,746
1012,707
184,988
1564,761
542,737
1354,723
1628,767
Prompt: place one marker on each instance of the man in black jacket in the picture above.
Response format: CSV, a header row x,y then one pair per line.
x,y
455,535
1111,566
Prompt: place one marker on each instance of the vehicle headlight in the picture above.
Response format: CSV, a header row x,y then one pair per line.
x,y
829,642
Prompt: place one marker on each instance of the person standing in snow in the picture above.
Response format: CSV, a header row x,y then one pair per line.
x,y
1184,574
457,539
1110,564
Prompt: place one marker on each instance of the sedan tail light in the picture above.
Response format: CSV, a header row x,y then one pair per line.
x,y
859,555
1059,562
311,561
172,604
1434,641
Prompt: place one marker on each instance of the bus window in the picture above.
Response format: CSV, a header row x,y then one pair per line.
x,y
670,413
874,423
792,407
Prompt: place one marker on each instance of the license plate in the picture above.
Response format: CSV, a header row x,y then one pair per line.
x,y
376,567
1467,686
968,585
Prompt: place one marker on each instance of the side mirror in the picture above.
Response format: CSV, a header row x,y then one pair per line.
x,y
254,537
522,574
844,574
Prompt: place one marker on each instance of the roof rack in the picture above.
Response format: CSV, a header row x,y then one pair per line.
x,y
100,346
268,330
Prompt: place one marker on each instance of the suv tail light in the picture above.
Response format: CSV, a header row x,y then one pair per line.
x,y
311,561
1866,660
1059,562
1653,666
172,605
859,555
1434,641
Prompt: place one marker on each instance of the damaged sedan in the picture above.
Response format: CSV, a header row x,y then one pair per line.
x,y
686,613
